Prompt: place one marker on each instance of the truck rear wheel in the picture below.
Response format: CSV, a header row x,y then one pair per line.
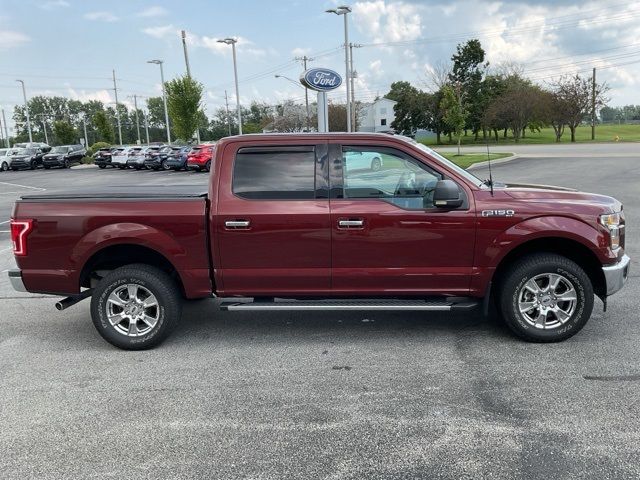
x,y
135,307
546,298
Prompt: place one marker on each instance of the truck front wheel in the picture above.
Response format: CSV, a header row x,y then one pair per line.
x,y
546,298
135,307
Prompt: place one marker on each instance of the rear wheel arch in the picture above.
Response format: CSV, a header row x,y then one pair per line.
x,y
116,256
571,249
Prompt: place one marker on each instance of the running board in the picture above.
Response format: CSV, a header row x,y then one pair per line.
x,y
439,305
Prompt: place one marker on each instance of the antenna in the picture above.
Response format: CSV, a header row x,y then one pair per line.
x,y
489,162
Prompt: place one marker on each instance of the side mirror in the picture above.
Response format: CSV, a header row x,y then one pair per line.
x,y
447,194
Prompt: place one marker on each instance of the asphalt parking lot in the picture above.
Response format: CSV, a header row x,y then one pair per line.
x,y
322,395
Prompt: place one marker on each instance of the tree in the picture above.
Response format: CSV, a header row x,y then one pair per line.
x,y
155,107
410,108
467,71
64,132
454,113
291,117
554,112
576,94
517,107
184,95
104,129
337,113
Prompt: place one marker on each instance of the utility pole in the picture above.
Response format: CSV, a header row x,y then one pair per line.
x,y
226,102
44,127
186,56
84,124
2,135
26,110
146,125
135,105
354,74
593,105
164,97
6,132
186,62
115,89
304,59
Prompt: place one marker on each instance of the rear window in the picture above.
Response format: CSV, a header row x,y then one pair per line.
x,y
275,173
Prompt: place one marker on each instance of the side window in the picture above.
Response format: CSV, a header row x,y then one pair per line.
x,y
269,173
383,121
388,174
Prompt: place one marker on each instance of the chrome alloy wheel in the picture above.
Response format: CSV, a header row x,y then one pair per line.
x,y
132,310
547,301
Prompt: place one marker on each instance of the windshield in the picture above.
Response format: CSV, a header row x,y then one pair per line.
x,y
26,151
3,152
459,170
59,149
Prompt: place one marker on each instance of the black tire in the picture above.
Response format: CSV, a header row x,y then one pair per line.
x,y
46,167
164,166
167,313
4,167
66,164
207,166
512,290
33,165
376,164
102,166
122,167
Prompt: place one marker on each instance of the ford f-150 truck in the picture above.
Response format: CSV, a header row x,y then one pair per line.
x,y
289,223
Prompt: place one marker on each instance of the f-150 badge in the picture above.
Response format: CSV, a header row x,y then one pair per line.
x,y
498,213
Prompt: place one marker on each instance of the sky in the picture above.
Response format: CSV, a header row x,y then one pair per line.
x,y
70,47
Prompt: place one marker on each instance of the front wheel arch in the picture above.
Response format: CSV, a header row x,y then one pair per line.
x,y
570,249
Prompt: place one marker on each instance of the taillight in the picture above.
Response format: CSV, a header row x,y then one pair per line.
x,y
19,231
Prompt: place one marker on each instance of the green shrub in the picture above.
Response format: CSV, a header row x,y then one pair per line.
x,y
95,147
86,160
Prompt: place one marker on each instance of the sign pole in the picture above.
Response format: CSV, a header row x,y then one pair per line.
x,y
323,113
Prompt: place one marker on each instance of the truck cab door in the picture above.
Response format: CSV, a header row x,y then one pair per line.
x,y
388,236
271,224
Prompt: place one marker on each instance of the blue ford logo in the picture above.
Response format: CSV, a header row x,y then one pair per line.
x,y
321,79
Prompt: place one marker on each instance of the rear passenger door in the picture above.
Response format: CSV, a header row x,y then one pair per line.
x,y
272,221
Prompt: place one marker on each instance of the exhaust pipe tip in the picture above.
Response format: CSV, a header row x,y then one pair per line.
x,y
73,299
59,306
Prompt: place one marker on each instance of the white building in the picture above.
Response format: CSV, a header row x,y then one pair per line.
x,y
377,116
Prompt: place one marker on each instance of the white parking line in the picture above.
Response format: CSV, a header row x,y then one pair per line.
x,y
22,186
6,221
6,249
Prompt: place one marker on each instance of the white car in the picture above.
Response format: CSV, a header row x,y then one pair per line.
x,y
121,155
363,161
5,159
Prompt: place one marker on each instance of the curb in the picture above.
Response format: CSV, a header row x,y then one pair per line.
x,y
493,162
84,165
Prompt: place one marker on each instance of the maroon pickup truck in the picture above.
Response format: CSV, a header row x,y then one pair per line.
x,y
324,222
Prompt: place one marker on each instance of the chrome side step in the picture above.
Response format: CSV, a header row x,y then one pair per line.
x,y
440,305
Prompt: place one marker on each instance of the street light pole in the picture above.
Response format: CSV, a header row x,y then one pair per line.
x,y
135,105
344,10
115,92
164,97
26,109
6,131
44,127
84,124
232,42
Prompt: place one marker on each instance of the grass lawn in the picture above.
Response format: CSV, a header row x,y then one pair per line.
x,y
468,159
604,133
465,160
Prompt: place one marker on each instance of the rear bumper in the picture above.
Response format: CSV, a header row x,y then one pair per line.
x,y
616,275
15,278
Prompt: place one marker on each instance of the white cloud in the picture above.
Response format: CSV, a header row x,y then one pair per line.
x,y
101,16
153,11
376,68
103,96
388,22
299,52
53,4
11,39
161,32
243,45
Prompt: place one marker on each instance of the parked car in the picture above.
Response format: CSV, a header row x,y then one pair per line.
x,y
137,158
102,158
283,218
26,158
199,158
64,156
5,159
121,156
41,145
157,159
177,160
363,161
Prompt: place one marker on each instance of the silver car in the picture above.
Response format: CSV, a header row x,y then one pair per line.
x,y
120,157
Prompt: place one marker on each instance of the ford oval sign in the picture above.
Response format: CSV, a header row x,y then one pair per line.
x,y
321,79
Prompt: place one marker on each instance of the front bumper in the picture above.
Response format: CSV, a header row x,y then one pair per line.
x,y
53,162
616,275
15,278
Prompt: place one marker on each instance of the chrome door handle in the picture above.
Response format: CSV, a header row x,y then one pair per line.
x,y
237,223
350,223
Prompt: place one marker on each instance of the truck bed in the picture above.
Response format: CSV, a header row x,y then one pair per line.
x,y
74,228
